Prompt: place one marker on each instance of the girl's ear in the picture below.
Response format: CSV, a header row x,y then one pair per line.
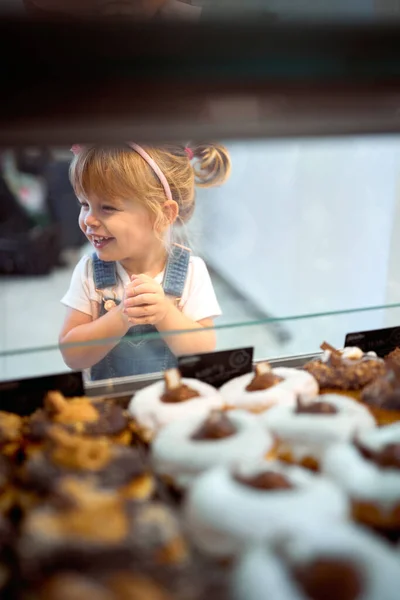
x,y
171,211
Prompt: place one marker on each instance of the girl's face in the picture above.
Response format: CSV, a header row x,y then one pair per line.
x,y
118,230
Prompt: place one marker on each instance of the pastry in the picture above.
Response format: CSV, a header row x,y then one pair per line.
x,y
79,416
108,466
184,449
229,506
325,563
345,371
7,487
118,586
95,532
6,557
186,584
266,387
382,397
11,436
303,433
171,400
368,471
393,358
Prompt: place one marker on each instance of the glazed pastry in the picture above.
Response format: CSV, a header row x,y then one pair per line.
x,y
7,488
345,371
266,387
186,448
382,397
107,465
79,416
368,471
118,586
227,507
6,559
393,358
304,432
11,436
171,400
184,584
95,532
324,563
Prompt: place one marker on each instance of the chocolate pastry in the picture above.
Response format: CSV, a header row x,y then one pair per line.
x,y
341,372
118,586
315,408
216,427
99,534
11,427
110,466
387,457
264,378
7,488
393,358
329,579
384,393
77,415
175,390
266,480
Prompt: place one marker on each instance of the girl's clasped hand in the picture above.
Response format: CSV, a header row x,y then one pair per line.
x,y
145,302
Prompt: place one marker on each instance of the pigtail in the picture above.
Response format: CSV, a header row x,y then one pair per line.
x,y
211,164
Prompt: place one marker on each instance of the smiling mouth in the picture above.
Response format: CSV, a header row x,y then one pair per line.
x,y
100,242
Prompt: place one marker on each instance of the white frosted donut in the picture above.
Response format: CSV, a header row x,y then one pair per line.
x,y
260,569
361,478
307,434
223,515
153,414
294,383
175,454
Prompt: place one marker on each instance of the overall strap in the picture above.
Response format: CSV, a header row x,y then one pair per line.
x,y
104,273
176,271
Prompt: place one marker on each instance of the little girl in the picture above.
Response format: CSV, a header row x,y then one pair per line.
x,y
138,285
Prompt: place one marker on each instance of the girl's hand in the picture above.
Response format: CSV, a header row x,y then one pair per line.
x,y
145,302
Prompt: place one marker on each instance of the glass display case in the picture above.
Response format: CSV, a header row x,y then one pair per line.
x,y
301,242
284,480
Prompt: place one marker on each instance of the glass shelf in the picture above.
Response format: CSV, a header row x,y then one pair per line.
x,y
303,336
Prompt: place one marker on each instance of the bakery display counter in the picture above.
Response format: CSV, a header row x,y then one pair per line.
x,y
285,477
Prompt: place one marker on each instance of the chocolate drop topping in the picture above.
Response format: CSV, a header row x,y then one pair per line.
x,y
315,408
266,480
180,394
263,382
329,579
387,457
217,426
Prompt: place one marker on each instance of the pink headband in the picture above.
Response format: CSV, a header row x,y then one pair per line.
x,y
76,148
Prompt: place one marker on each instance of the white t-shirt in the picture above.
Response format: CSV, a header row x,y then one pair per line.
x,y
198,299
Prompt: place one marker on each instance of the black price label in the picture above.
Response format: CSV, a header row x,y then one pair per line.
x,y
216,368
24,396
381,341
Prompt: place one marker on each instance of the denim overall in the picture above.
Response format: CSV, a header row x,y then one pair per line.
x,y
140,356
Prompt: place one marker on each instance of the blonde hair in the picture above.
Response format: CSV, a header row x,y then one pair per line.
x,y
120,172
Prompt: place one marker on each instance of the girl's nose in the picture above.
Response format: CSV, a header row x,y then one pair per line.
x,y
91,220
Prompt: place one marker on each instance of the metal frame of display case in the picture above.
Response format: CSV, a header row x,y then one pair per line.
x,y
217,79
124,386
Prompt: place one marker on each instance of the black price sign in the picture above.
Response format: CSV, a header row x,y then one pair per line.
x,y
24,396
216,368
381,341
